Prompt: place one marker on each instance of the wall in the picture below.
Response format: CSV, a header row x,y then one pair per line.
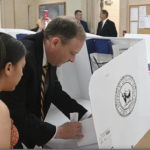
x,y
138,2
8,16
15,13
24,13
124,12
71,6
124,15
93,9
32,13
21,14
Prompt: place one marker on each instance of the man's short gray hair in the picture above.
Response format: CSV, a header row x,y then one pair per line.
x,y
66,28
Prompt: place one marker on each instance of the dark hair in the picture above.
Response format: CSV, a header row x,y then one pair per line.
x,y
105,12
76,11
65,28
11,50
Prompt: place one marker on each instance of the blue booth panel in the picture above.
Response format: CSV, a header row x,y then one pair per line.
x,y
20,35
99,46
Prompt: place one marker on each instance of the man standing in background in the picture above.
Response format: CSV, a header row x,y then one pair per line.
x,y
78,16
106,27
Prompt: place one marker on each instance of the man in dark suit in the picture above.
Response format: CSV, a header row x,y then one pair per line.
x,y
106,27
59,43
78,16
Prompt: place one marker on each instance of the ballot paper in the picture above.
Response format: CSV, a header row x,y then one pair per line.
x,y
74,116
120,99
89,134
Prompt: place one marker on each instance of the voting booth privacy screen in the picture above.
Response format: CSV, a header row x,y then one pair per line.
x,y
100,52
119,93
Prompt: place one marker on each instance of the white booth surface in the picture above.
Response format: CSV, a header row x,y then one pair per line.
x,y
119,93
13,32
75,77
146,37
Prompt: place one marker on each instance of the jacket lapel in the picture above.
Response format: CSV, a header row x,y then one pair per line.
x,y
39,53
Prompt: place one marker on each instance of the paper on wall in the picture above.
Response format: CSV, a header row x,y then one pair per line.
x,y
144,21
134,27
142,11
133,14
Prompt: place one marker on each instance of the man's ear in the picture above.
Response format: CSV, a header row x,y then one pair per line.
x,y
55,42
8,68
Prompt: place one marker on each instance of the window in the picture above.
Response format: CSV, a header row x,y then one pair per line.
x,y
54,9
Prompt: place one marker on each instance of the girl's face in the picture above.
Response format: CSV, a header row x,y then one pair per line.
x,y
13,74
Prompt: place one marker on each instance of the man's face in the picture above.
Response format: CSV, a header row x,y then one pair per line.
x,y
78,16
103,16
58,53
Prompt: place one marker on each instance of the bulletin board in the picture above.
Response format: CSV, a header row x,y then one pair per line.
x,y
139,19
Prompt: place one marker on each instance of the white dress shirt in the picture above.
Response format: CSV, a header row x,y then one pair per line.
x,y
103,23
86,115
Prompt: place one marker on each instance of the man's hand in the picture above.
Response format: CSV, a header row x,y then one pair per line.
x,y
69,130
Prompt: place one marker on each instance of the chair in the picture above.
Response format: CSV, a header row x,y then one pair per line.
x,y
100,52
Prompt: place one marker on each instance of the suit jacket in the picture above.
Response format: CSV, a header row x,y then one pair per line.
x,y
85,26
108,29
24,102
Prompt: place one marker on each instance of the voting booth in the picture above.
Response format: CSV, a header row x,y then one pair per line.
x,y
101,50
119,93
116,93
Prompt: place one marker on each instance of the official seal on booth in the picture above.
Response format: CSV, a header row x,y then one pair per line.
x,y
126,95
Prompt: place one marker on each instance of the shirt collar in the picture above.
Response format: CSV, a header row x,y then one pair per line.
x,y
104,21
44,56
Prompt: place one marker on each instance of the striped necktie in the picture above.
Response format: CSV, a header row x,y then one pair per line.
x,y
43,82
